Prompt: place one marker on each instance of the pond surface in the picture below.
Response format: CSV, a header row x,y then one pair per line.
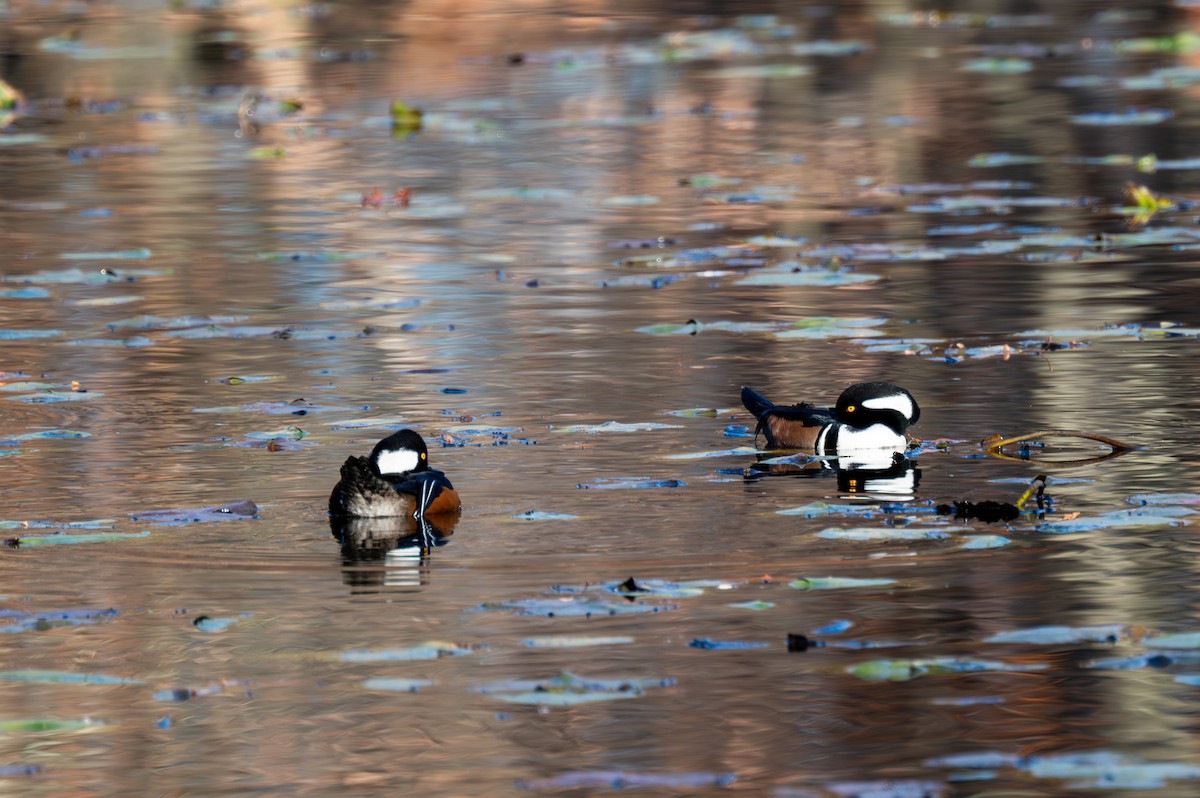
x,y
229,262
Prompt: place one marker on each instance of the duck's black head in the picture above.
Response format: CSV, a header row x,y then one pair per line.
x,y
867,403
400,453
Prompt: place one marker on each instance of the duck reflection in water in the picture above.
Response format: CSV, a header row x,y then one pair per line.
x,y
389,552
890,480
392,509
862,439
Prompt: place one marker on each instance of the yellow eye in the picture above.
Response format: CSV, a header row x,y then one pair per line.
x,y
422,455
850,409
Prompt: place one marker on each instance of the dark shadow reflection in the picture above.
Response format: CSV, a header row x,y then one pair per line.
x,y
389,552
883,481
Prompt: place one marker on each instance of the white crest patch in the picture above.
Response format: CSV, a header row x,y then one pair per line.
x,y
897,401
397,461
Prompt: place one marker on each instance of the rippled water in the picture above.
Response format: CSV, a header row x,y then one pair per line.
x,y
583,180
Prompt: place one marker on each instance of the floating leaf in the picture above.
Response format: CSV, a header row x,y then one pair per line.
x,y
57,540
16,621
393,684
714,645
207,623
834,628
702,412
222,512
26,335
976,542
574,641
538,515
884,533
1165,515
37,676
1056,635
430,650
1184,640
740,451
51,397
567,689
902,670
784,277
818,509
173,323
753,605
626,780
1131,116
46,725
287,434
1164,498
837,583
30,292
998,66
128,254
617,426
96,277
575,607
630,483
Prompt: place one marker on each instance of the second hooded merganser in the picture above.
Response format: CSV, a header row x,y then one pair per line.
x,y
868,416
394,480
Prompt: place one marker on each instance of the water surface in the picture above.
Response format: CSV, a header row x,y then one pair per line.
x,y
922,190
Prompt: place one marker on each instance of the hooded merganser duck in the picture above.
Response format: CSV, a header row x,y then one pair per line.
x,y
868,417
395,480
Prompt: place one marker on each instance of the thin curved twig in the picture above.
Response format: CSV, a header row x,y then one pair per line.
x,y
995,445
1117,446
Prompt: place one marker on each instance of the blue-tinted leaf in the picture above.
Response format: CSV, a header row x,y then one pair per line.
x,y
574,641
36,676
837,583
1052,635
901,670
538,515
627,780
630,483
886,533
616,426
59,540
393,684
430,650
714,645
221,512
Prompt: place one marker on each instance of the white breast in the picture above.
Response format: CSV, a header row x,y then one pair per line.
x,y
876,436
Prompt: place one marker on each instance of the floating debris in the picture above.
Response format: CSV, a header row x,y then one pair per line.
x,y
567,689
221,512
